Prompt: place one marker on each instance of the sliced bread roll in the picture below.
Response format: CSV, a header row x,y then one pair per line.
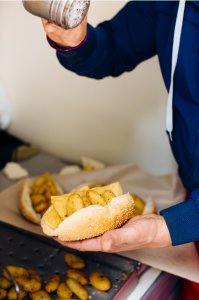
x,y
26,206
90,221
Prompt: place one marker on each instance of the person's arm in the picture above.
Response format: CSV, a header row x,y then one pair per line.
x,y
114,46
183,220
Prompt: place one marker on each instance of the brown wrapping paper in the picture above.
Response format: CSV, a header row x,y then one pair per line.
x,y
164,190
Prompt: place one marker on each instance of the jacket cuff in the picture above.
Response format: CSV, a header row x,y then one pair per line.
x,y
183,222
80,53
62,48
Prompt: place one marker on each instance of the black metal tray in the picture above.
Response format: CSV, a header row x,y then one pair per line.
x,y
21,248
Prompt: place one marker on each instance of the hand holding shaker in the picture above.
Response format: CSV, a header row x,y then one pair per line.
x,y
64,13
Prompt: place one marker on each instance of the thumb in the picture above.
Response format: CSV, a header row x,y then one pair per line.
x,y
49,27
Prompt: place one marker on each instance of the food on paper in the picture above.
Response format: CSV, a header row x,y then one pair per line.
x,y
35,196
14,171
143,207
90,164
87,212
67,170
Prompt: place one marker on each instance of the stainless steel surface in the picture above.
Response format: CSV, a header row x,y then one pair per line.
x,y
64,13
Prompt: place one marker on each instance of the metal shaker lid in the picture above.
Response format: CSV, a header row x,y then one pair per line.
x,y
64,13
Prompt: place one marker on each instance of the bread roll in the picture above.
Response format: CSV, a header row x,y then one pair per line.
x,y
91,221
25,203
90,211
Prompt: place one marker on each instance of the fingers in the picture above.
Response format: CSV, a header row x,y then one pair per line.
x,y
65,37
85,245
112,241
148,231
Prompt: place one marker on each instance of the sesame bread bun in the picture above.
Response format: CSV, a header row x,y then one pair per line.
x,y
90,221
32,204
25,205
87,212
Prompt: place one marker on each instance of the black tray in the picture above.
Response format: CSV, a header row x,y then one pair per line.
x,y
22,248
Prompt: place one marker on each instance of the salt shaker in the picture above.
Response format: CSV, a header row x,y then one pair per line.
x,y
64,13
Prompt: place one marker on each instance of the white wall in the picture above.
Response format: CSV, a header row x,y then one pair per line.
x,y
114,120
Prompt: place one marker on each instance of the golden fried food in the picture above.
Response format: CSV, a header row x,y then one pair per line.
x,y
74,261
5,283
40,295
74,203
52,218
95,198
53,283
64,291
12,295
115,187
44,186
41,207
77,275
30,285
96,185
77,289
86,201
37,199
100,281
108,195
139,204
3,293
35,196
88,168
34,275
94,210
82,188
60,205
15,272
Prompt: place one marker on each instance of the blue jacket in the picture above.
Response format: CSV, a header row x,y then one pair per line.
x,y
139,31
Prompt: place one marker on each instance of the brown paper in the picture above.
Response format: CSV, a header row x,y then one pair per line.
x,y
164,190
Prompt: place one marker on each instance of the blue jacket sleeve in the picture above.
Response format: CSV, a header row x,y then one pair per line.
x,y
183,220
115,46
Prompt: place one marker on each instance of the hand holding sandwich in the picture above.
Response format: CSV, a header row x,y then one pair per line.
x,y
146,231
